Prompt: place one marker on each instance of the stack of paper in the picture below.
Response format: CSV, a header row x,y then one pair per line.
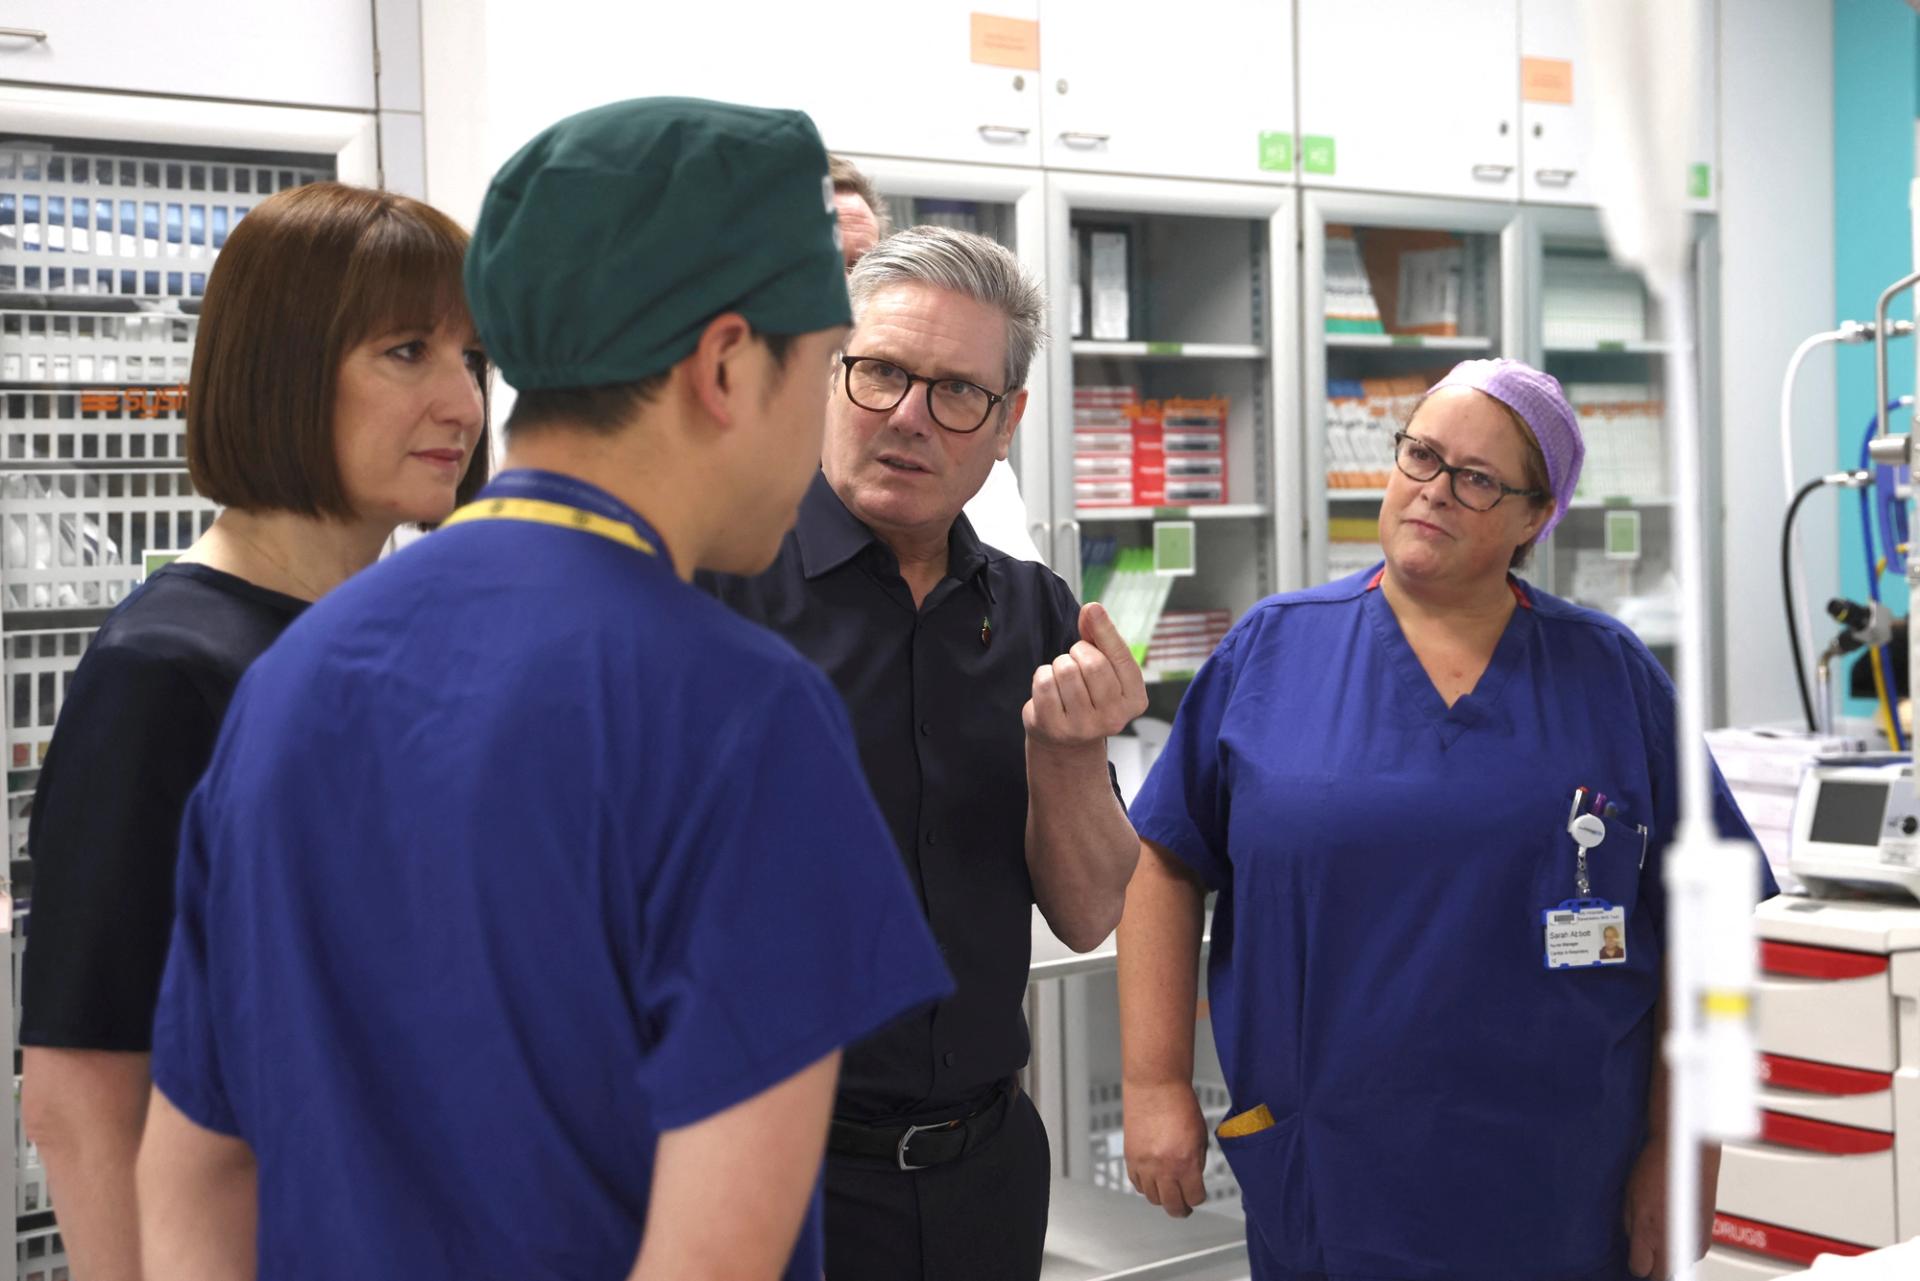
x,y
1103,445
1350,308
1419,281
1763,769
1586,300
1362,417
1624,428
1183,639
1130,453
1353,544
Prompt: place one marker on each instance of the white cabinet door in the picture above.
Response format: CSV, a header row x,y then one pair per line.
x,y
1201,91
877,76
1410,96
308,52
1556,105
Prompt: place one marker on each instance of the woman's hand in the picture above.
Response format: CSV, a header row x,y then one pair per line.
x,y
1645,1209
1166,1142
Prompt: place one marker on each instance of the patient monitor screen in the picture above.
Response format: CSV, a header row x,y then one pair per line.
x,y
1849,813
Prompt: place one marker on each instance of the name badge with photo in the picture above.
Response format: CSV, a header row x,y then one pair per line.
x,y
1584,932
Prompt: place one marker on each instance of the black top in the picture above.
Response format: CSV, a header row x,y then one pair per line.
x,y
135,733
935,697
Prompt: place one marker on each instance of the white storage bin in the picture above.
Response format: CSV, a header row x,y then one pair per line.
x,y
39,667
79,539
1847,1198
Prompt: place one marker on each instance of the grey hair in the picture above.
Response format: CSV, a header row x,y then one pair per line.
x,y
972,266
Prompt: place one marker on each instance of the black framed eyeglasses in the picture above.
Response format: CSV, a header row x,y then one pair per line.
x,y
1472,488
880,385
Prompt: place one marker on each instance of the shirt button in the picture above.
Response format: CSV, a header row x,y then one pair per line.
x,y
926,728
929,838
947,1058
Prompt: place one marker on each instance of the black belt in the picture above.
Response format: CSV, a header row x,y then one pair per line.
x,y
915,1147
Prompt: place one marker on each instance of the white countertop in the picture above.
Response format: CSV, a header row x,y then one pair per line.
x,y
1096,1232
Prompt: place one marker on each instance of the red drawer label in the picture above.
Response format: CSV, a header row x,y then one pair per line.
x,y
1821,1136
1799,961
1821,1078
1777,1243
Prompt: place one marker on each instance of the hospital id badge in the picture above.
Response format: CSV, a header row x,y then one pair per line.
x,y
1582,933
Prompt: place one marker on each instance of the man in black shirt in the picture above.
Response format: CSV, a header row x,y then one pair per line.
x,y
982,697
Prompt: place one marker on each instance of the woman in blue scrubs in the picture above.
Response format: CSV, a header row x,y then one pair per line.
x,y
1436,1074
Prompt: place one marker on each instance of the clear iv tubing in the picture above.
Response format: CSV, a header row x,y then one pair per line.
x,y
1850,331
1870,498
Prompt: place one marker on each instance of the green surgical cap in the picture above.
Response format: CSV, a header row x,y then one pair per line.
x,y
606,245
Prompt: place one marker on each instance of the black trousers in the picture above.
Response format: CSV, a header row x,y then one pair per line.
x,y
980,1218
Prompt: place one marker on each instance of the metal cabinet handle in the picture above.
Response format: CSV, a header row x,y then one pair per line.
x,y
1553,177
1041,532
23,33
1070,526
1085,139
1004,133
1492,173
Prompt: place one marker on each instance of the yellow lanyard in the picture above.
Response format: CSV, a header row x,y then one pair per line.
x,y
540,512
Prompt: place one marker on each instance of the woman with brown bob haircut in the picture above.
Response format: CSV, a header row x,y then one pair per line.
x,y
337,394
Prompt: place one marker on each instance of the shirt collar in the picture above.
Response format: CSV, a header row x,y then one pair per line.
x,y
829,536
1513,585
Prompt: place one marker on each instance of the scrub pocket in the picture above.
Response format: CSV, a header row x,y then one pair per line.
x,y
1613,867
1264,1151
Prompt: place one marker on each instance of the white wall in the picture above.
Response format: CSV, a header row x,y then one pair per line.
x,y
1777,286
453,41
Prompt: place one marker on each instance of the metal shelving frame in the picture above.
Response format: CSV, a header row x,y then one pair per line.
x,y
1320,207
1540,225
112,209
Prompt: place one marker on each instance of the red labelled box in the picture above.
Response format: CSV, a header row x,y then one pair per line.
x,y
1103,493
1103,442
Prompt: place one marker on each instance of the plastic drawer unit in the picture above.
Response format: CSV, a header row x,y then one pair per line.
x,y
1835,1168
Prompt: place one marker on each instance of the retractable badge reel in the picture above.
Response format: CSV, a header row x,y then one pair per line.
x,y
1584,931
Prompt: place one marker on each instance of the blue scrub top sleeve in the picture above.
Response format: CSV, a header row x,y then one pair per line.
x,y
782,926
1185,801
186,1055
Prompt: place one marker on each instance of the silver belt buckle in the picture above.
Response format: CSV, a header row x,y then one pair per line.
x,y
900,1152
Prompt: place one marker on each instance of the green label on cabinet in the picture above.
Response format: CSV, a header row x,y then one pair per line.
x,y
153,561
1276,152
1700,182
1165,348
1610,344
1316,154
1623,535
1173,547
1409,340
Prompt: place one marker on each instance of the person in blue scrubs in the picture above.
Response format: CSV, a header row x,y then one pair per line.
x,y
1379,778
531,893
